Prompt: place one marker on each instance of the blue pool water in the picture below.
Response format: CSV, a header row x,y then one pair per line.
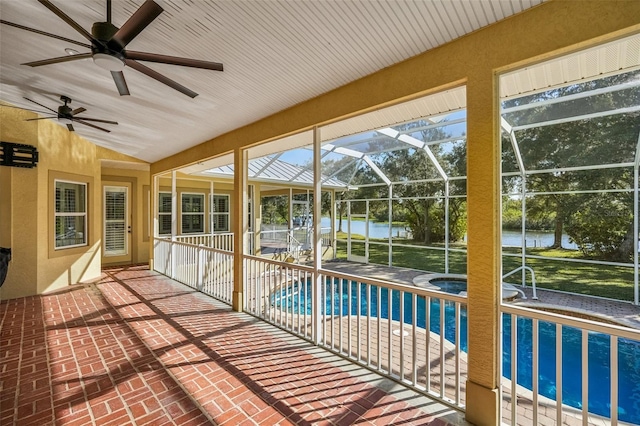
x,y
599,347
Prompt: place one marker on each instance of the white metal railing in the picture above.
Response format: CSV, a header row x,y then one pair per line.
x,y
558,378
162,256
407,333
326,236
414,342
222,241
202,268
304,235
524,281
275,292
185,265
217,274
294,247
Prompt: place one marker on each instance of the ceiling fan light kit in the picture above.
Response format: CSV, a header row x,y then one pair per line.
x,y
108,62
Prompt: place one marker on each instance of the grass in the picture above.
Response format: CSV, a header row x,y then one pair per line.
x,y
615,282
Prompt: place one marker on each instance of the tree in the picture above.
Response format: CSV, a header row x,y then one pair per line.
x,y
555,149
423,194
602,226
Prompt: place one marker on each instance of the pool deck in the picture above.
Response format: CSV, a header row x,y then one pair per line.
x,y
614,311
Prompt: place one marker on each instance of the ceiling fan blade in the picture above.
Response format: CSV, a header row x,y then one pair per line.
x,y
121,83
96,120
161,78
40,118
78,110
70,22
137,22
58,60
33,30
91,125
173,60
43,106
70,127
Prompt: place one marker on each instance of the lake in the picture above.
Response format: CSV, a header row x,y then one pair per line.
x,y
509,238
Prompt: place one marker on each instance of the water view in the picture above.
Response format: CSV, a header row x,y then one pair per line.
x,y
509,238
338,301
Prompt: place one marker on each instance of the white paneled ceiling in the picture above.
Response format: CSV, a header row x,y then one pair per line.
x,y
275,54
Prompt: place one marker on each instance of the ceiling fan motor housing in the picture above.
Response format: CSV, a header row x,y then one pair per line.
x,y
103,31
65,114
108,55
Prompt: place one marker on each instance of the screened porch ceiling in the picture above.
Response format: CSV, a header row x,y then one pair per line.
x,y
357,148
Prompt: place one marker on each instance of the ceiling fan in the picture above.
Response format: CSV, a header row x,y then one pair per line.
x,y
66,115
108,44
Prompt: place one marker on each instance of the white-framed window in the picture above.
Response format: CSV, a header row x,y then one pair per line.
x,y
164,213
192,213
220,213
70,214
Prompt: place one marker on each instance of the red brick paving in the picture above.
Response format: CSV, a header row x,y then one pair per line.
x,y
138,348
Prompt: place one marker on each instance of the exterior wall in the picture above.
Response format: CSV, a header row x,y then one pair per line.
x,y
27,199
18,217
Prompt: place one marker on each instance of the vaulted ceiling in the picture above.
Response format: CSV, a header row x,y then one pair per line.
x,y
276,53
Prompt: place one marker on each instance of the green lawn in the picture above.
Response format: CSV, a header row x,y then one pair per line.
x,y
614,282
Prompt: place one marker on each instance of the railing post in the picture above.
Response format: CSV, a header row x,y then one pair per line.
x,y
200,264
173,259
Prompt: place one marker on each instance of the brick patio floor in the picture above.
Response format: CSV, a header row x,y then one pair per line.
x,y
138,348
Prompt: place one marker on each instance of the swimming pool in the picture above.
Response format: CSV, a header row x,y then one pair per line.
x,y
599,350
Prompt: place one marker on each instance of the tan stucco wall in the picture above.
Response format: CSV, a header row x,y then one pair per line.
x,y
26,197
18,198
551,29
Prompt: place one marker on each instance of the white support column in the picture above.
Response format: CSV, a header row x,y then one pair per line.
x,y
348,229
504,124
290,221
446,226
174,223
636,235
334,230
155,191
174,206
211,208
390,250
366,230
317,239
257,221
240,167
523,241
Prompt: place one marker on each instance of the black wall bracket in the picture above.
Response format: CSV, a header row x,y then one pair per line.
x,y
18,155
